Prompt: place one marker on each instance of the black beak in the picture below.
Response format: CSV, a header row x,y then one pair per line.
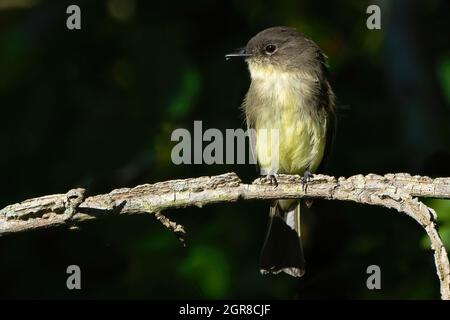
x,y
240,53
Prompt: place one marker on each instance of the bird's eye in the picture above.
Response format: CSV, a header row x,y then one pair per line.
x,y
270,49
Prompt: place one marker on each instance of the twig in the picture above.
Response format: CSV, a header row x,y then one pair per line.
x,y
396,191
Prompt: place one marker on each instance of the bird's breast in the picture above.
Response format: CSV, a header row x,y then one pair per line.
x,y
283,108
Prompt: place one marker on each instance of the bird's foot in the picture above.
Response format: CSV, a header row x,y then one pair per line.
x,y
273,179
307,176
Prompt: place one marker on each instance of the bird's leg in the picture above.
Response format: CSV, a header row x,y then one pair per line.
x,y
307,175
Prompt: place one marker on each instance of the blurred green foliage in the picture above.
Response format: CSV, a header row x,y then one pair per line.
x,y
95,108
444,76
442,207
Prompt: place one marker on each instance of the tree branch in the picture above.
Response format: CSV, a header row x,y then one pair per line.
x,y
396,191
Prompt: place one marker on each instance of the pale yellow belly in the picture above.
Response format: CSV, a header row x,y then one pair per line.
x,y
301,138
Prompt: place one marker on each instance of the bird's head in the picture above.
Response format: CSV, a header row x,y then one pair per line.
x,y
278,49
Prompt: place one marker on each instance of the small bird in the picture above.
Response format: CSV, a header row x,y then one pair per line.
x,y
289,93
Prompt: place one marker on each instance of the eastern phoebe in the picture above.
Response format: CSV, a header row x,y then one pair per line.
x,y
289,92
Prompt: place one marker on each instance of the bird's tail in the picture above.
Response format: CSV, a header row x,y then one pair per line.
x,y
282,250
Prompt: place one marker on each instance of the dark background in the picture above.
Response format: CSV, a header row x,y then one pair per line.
x,y
95,108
